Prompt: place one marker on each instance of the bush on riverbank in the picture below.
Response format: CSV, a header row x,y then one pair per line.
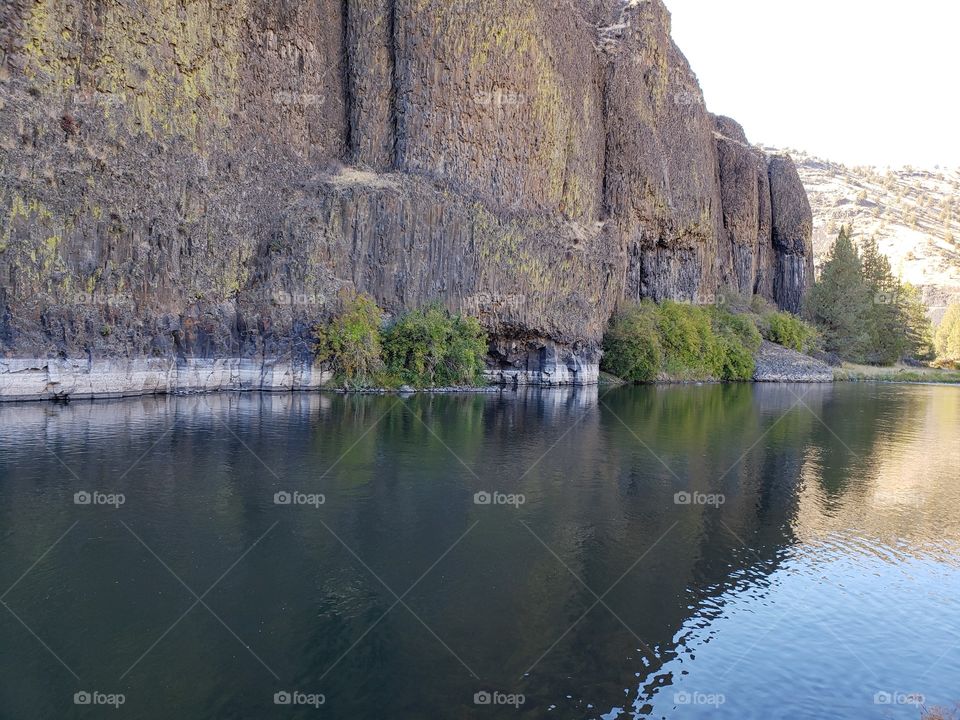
x,y
424,348
631,345
351,341
790,331
431,347
646,342
783,328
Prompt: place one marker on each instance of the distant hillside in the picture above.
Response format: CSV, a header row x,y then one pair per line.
x,y
914,214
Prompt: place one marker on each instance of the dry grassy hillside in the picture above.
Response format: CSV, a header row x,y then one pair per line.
x,y
914,214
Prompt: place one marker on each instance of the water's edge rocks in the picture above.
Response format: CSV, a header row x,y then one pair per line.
x,y
184,186
776,363
77,379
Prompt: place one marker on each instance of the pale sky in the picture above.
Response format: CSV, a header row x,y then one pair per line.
x,y
863,82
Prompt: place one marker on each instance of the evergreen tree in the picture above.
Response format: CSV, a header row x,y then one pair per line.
x,y
886,325
918,329
840,301
948,335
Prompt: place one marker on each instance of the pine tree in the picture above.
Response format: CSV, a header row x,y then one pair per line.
x,y
948,335
886,324
839,302
918,330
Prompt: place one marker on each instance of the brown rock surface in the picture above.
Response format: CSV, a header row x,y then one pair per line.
x,y
199,180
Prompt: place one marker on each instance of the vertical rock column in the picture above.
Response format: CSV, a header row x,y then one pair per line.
x,y
370,83
792,234
747,213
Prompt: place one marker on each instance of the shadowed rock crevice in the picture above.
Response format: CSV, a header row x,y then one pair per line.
x,y
199,182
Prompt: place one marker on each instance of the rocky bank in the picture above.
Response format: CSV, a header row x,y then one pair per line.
x,y
189,185
776,363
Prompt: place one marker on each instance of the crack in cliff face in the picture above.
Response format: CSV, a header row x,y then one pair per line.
x,y
371,82
235,156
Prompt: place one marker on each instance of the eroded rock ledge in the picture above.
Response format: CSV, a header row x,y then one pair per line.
x,y
24,379
194,184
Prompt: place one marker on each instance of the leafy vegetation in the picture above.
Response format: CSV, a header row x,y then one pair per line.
x,y
691,349
423,348
646,341
432,347
790,331
631,345
739,341
351,341
863,312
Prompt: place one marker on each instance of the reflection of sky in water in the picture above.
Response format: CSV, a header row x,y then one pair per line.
x,y
831,628
828,574
862,616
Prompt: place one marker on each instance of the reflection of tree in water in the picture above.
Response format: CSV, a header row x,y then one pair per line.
x,y
599,470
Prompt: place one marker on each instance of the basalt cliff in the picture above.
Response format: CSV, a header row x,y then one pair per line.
x,y
185,186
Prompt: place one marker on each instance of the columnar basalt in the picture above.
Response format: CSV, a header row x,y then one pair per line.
x,y
196,182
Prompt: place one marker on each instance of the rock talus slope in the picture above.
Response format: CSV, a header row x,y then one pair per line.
x,y
194,183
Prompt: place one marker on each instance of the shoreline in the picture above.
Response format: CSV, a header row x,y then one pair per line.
x,y
60,380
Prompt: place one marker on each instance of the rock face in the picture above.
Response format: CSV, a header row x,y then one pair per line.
x,y
767,219
187,182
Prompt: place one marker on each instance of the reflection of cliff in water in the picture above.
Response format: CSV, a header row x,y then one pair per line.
x,y
599,471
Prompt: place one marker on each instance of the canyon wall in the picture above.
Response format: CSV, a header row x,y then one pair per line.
x,y
185,183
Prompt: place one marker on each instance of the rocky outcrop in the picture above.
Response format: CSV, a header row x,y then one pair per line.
x,y
196,182
776,363
766,217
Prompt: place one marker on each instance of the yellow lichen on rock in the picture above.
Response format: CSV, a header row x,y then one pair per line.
x,y
160,67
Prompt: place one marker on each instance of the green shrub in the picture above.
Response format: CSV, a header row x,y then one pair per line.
x,y
631,346
790,331
351,341
432,347
739,341
691,350
683,342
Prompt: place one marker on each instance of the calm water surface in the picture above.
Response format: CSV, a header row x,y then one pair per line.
x,y
722,551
